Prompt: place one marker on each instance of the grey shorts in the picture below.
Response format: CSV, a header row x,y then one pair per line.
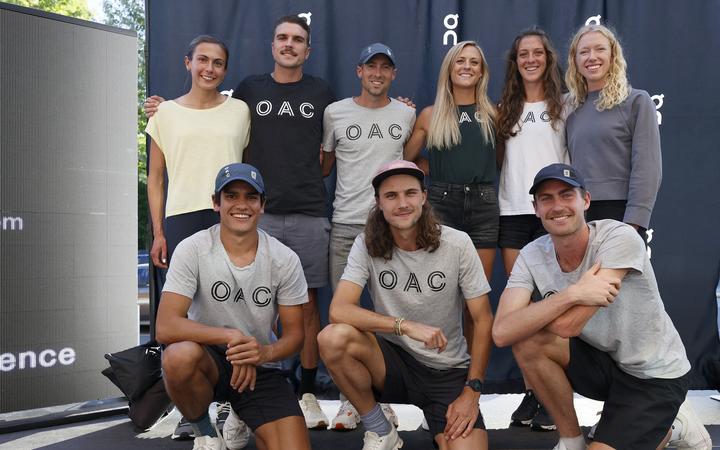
x,y
308,236
342,237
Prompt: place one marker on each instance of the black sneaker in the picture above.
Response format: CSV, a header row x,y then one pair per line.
x,y
542,420
183,431
524,414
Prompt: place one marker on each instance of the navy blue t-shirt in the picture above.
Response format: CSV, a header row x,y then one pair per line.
x,y
285,137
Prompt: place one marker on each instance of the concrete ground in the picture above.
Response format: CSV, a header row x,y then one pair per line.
x,y
116,432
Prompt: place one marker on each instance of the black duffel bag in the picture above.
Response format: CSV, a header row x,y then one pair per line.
x,y
137,373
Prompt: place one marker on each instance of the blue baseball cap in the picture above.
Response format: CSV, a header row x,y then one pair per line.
x,y
375,49
558,171
239,172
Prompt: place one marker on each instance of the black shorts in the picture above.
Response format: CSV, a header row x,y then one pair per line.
x,y
611,209
272,399
637,413
410,382
472,208
518,231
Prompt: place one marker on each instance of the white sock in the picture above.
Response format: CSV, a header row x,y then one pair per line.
x,y
675,430
574,443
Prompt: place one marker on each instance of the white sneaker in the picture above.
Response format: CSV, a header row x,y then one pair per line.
x,y
693,435
389,414
209,443
347,417
561,445
372,441
315,418
424,425
235,432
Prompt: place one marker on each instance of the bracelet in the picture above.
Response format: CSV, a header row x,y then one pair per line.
x,y
398,325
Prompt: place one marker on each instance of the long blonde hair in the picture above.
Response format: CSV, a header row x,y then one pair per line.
x,y
617,86
444,131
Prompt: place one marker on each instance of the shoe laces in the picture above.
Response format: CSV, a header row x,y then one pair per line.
x,y
387,409
529,397
205,443
372,441
223,410
183,422
311,403
346,408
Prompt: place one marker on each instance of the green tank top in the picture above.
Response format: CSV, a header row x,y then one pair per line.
x,y
471,161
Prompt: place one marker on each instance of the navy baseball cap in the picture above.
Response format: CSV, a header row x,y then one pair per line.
x,y
397,167
558,171
375,49
239,172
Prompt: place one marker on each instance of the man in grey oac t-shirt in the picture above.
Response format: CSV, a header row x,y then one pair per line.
x,y
410,349
225,289
600,327
359,135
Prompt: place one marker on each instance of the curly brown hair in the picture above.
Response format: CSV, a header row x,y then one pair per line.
x,y
513,96
379,240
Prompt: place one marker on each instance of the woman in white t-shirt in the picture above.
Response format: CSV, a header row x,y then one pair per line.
x,y
192,137
530,136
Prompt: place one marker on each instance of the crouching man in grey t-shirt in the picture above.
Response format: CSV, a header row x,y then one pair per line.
x,y
598,326
411,348
225,289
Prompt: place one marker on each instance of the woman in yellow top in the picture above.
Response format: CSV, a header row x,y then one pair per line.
x,y
193,136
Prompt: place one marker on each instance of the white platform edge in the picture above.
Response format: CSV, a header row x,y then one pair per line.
x,y
497,408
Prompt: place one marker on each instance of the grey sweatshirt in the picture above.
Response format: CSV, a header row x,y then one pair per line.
x,y
618,152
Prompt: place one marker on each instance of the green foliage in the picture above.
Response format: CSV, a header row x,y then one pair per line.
x,y
72,8
130,14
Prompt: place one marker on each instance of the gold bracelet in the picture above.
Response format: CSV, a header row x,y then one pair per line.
x,y
398,325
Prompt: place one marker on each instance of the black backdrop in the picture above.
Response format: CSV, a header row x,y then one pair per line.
x,y
672,50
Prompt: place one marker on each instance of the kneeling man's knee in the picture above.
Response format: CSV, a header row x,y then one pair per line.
x,y
181,358
529,349
334,339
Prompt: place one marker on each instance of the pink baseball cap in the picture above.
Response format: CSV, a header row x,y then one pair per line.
x,y
397,167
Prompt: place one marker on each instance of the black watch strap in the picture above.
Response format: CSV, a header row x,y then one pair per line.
x,y
475,384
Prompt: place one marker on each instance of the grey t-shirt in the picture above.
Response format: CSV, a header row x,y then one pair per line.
x,y
634,330
363,139
424,287
243,298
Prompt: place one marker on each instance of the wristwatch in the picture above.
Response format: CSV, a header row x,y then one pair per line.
x,y
475,384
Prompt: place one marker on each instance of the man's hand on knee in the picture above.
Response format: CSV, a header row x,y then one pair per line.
x,y
461,415
243,377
